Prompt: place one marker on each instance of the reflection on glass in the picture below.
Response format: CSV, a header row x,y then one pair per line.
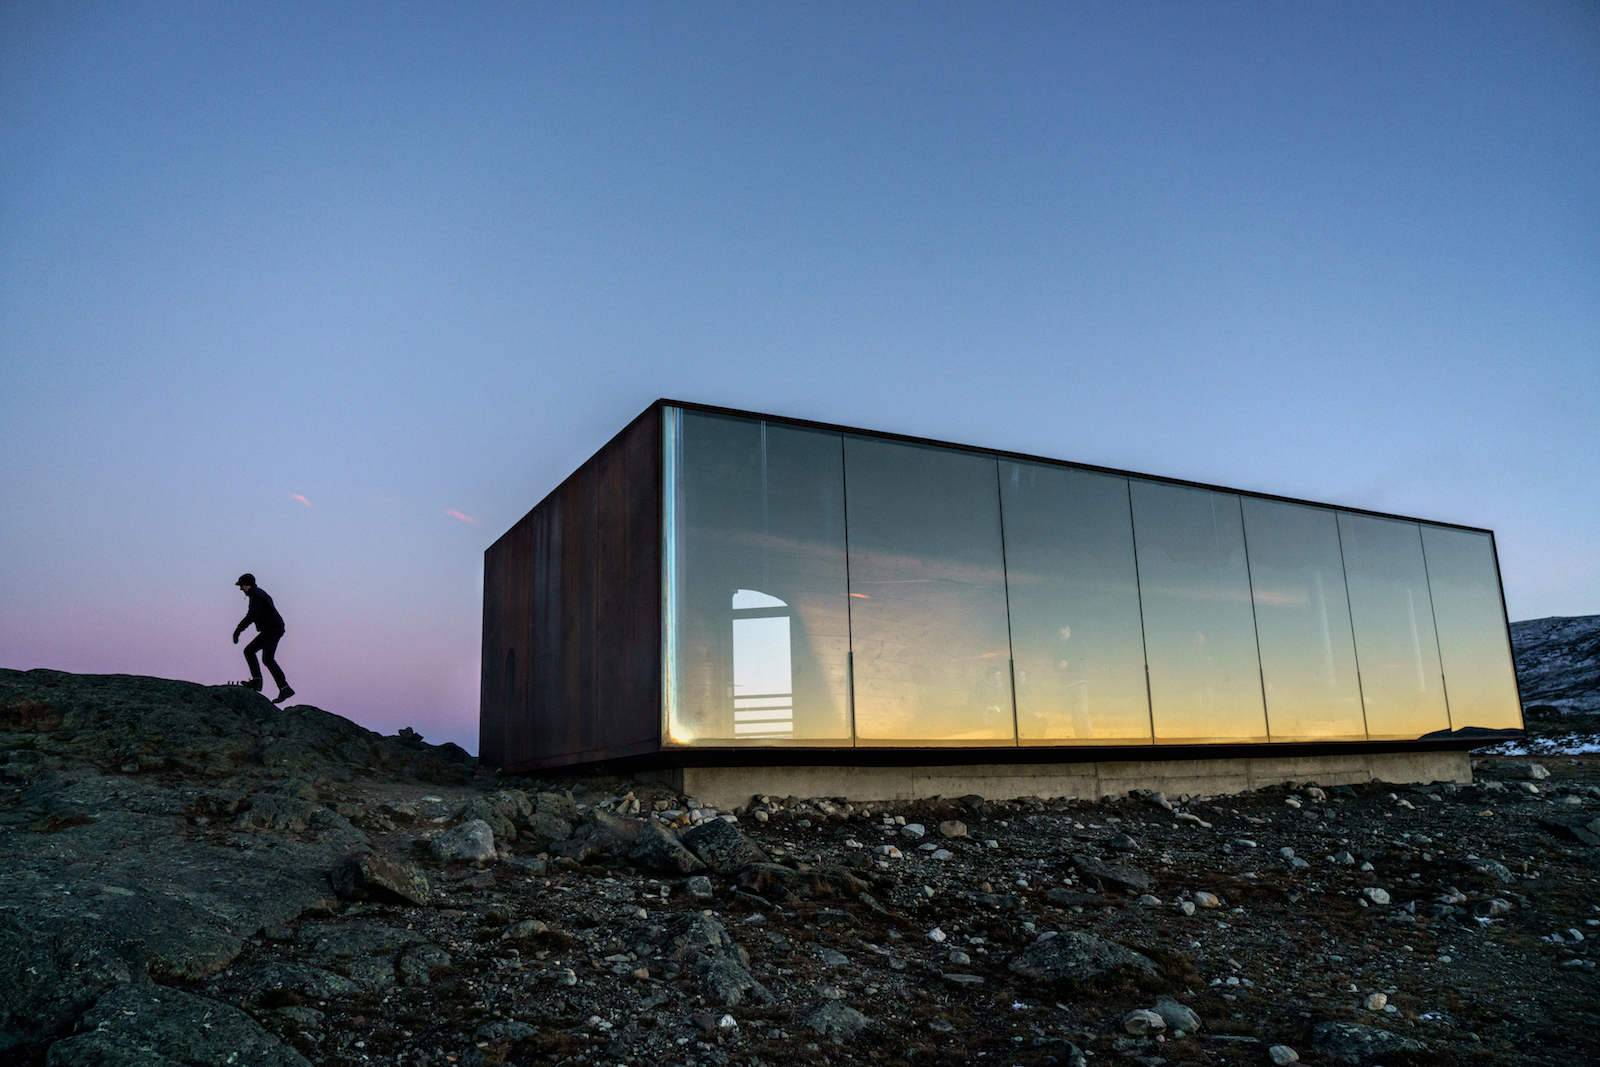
x,y
932,658
763,676
758,607
1308,655
1393,615
1074,594
1479,674
1199,626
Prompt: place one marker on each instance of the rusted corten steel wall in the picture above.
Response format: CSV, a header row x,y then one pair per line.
x,y
572,616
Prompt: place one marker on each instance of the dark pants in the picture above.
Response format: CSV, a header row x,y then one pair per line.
x,y
267,645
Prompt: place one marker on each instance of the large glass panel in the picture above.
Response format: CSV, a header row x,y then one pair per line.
x,y
1479,675
1395,644
758,607
1199,624
1074,593
932,657
1308,654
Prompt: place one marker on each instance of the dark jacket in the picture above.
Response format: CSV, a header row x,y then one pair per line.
x,y
262,613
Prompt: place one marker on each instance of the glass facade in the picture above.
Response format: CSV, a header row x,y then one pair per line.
x,y
1074,593
1481,683
827,588
759,615
1402,685
1199,624
931,649
1308,653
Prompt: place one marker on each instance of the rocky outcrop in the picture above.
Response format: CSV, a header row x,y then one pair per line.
x,y
135,724
152,828
1558,662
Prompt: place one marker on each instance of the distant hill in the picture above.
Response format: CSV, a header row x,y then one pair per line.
x,y
1558,662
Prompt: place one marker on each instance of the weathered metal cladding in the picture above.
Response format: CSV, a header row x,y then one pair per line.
x,y
571,646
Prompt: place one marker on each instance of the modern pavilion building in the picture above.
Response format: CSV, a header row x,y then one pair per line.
x,y
753,604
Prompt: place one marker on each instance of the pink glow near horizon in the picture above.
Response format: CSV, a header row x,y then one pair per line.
x,y
454,514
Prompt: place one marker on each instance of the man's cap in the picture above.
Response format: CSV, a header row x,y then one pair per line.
x,y
246,579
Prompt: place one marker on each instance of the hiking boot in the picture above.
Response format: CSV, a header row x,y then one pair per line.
x,y
283,694
254,683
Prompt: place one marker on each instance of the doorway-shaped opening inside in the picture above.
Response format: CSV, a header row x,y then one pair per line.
x,y
763,678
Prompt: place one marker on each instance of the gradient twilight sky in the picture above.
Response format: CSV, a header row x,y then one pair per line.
x,y
335,293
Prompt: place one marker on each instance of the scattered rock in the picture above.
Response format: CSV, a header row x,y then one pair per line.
x,y
721,846
1078,957
1110,875
1177,1016
1207,900
417,965
369,876
953,828
1142,1021
471,842
1375,894
1283,1054
658,848
1358,1044
837,1021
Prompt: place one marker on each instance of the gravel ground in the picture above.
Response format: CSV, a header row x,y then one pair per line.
x,y
1471,948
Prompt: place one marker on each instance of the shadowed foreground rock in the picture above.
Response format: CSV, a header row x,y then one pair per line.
x,y
150,1026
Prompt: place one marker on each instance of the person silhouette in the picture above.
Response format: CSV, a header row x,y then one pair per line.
x,y
269,631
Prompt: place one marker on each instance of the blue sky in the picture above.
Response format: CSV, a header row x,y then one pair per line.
x,y
283,286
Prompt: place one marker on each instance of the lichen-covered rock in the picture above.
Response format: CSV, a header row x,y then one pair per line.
x,y
1358,1044
504,811
659,849
472,841
721,846
721,963
153,1026
137,724
837,1021
1111,875
1079,957
367,876
313,982
359,939
416,966
774,879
